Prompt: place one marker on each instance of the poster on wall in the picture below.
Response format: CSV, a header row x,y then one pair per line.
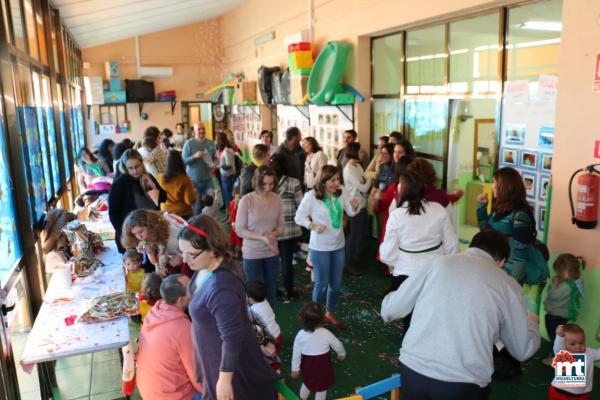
x,y
289,116
34,154
246,124
527,136
327,125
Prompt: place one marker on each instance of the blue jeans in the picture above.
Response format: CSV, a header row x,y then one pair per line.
x,y
205,187
227,188
328,267
263,270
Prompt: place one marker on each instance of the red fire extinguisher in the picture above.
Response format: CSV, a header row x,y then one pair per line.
x,y
584,213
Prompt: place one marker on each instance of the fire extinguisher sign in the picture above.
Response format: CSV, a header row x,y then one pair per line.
x,y
597,149
596,82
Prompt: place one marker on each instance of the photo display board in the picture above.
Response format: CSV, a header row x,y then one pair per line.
x,y
527,137
289,116
327,125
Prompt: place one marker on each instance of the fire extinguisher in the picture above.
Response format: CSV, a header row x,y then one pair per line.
x,y
584,213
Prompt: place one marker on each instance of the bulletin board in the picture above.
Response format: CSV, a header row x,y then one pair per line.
x,y
527,137
288,116
327,125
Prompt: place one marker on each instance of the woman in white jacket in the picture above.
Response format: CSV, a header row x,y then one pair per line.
x,y
315,160
358,187
417,232
321,211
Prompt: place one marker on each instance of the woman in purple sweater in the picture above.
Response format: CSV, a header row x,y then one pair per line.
x,y
227,353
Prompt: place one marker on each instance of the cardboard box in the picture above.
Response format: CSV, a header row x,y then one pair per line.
x,y
298,84
245,92
112,69
114,84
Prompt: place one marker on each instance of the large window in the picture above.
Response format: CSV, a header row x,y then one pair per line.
x,y
31,31
63,133
17,24
426,60
51,133
43,134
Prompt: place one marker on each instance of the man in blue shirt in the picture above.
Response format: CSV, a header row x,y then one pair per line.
x,y
200,157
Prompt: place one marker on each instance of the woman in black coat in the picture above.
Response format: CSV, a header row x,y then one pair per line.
x,y
133,189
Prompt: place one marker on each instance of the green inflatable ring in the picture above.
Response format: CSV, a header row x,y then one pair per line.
x,y
326,75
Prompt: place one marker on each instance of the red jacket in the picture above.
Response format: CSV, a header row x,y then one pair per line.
x,y
165,362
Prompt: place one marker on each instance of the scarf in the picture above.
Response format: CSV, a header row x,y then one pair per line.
x,y
335,211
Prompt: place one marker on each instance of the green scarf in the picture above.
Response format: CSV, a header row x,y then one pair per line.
x,y
574,300
94,168
335,211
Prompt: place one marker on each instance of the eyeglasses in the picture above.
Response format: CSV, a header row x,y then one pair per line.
x,y
191,256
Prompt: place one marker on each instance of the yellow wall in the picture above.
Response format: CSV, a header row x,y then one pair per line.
x,y
195,53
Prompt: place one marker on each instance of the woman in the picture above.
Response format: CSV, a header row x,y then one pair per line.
x,y
105,153
266,138
91,172
181,194
417,232
155,157
386,176
227,170
229,360
259,222
357,183
156,234
426,171
511,215
321,211
290,191
133,189
315,160
373,169
117,152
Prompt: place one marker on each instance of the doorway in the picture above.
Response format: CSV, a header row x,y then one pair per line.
x,y
194,112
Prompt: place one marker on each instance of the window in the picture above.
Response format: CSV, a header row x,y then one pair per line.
x,y
41,34
51,133
533,41
387,117
387,66
426,124
426,60
63,133
54,40
17,24
9,240
43,134
32,147
31,31
474,55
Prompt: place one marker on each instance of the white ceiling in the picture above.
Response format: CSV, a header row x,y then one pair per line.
x,y
96,22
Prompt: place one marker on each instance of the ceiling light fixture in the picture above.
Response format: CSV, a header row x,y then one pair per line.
x,y
542,26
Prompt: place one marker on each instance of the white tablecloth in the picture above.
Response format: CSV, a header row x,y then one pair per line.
x,y
101,226
51,338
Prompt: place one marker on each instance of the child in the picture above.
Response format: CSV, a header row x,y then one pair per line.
x,y
150,293
234,240
261,309
571,337
211,205
132,261
564,295
311,353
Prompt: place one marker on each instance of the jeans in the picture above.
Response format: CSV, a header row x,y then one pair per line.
x,y
328,267
552,322
205,187
227,188
420,387
263,270
358,234
287,248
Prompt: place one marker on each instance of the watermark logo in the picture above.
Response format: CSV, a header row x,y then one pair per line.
x,y
569,369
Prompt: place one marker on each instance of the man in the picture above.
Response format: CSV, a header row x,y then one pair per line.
x,y
463,304
165,363
260,156
266,138
288,151
350,136
199,155
180,136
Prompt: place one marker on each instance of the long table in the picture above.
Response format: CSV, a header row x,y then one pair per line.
x,y
52,337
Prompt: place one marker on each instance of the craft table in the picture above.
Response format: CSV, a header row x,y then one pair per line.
x,y
101,226
51,338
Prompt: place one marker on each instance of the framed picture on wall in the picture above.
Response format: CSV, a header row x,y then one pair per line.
x,y
546,136
528,159
541,220
529,180
546,162
514,134
544,182
509,156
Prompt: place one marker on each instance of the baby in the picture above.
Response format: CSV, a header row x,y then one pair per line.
x,y
571,337
212,205
132,261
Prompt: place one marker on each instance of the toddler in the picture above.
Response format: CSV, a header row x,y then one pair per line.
x,y
132,261
212,205
571,337
150,293
311,353
260,308
564,294
234,240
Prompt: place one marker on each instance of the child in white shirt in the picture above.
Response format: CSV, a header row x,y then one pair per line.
x,y
311,353
211,205
260,308
571,337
